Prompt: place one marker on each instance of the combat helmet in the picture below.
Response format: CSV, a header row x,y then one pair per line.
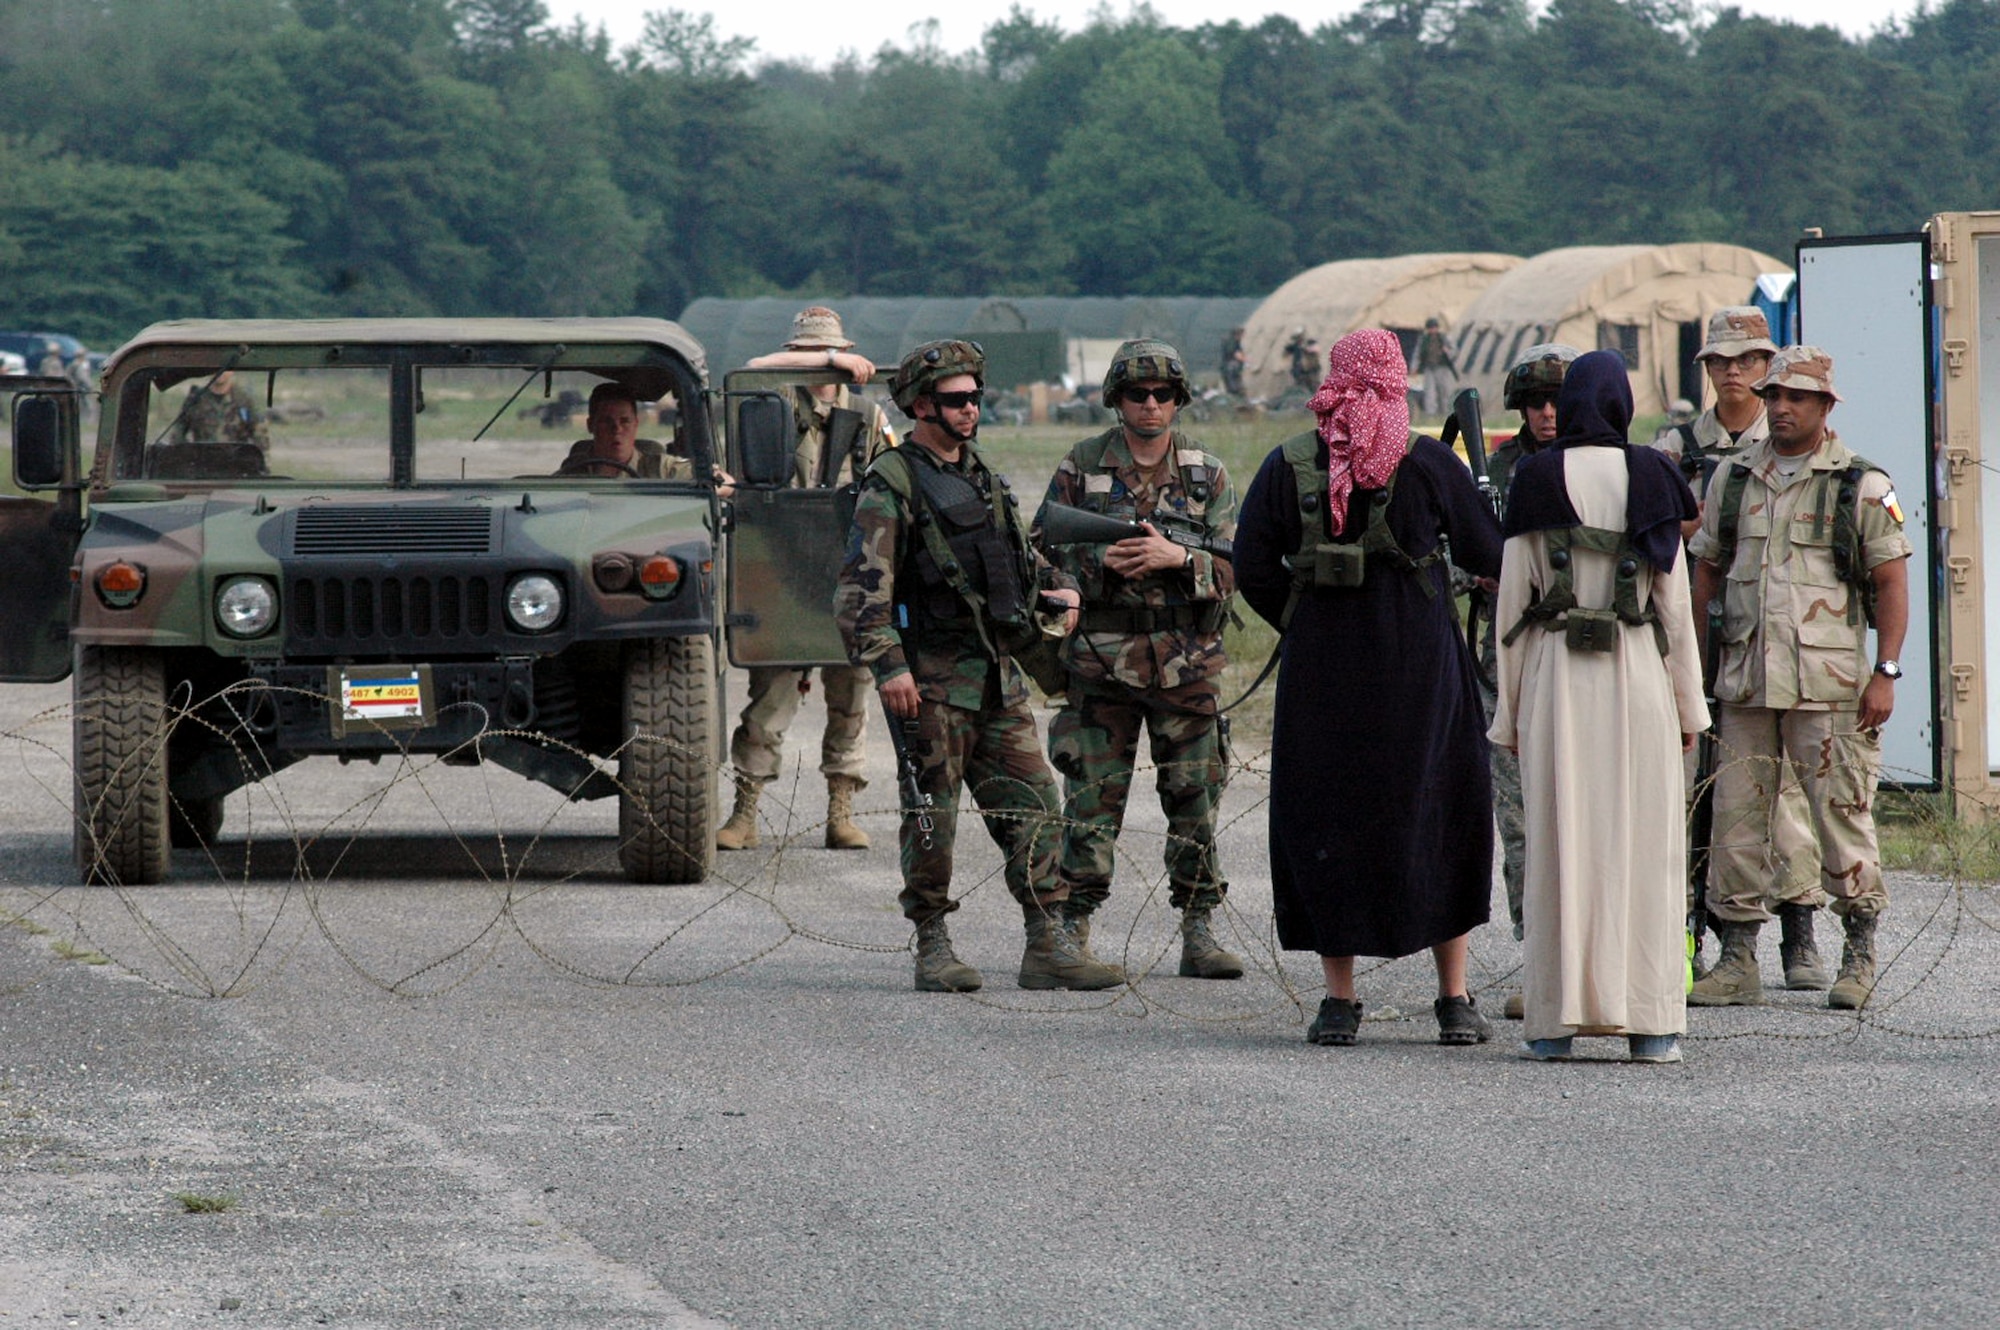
x,y
1539,370
930,362
1141,359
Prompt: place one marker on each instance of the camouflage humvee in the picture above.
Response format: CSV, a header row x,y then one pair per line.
x,y
375,557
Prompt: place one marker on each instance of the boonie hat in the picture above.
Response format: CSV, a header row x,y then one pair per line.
x,y
817,328
1806,368
1735,329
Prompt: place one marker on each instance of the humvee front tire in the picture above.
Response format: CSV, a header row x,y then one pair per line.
x,y
666,799
119,728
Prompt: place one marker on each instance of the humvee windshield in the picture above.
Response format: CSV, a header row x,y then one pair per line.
x,y
484,423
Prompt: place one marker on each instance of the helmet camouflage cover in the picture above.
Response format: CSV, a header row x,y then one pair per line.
x,y
1141,359
1539,370
930,362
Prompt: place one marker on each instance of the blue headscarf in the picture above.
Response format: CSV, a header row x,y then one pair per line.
x,y
1594,410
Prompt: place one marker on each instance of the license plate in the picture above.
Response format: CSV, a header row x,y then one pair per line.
x,y
380,697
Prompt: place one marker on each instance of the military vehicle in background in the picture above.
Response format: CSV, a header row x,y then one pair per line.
x,y
395,570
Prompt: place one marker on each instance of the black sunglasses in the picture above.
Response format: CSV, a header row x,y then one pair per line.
x,y
958,401
1160,395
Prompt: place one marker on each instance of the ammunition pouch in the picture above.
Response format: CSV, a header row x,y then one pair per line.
x,y
1339,566
1590,630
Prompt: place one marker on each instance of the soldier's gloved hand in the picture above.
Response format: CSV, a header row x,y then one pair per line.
x,y
899,695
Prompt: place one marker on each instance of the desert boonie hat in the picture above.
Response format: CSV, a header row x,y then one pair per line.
x,y
1806,368
817,328
1735,329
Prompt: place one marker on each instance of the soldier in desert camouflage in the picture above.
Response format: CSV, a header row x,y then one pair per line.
x,y
1148,651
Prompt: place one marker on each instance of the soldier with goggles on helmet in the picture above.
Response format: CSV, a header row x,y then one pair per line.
x,y
938,593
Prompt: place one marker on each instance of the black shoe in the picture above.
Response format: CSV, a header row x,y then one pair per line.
x,y
1459,1021
1339,1020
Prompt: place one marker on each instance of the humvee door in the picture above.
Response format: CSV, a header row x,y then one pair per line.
x,y
39,529
790,529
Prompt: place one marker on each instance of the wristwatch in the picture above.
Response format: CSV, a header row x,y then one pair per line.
x,y
832,357
1187,561
1888,669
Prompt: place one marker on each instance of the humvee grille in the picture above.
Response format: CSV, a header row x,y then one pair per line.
x,y
341,529
401,611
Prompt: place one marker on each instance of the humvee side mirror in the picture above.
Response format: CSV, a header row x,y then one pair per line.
x,y
39,446
765,438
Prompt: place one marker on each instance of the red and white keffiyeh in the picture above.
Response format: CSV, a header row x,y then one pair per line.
x,y
1364,415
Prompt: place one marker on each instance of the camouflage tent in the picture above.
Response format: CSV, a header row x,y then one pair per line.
x,y
1648,302
1334,299
1027,338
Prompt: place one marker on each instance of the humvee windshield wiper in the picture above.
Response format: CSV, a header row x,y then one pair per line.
x,y
542,368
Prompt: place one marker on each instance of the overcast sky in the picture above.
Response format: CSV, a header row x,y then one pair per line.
x,y
818,30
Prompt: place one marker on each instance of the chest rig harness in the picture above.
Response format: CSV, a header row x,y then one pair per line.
x,y
1199,482
1318,565
1584,628
1837,502
970,564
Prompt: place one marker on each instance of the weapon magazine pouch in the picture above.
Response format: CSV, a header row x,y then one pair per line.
x,y
1590,630
1339,565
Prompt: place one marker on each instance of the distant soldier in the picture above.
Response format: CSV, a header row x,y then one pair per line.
x,y
220,411
938,589
1148,650
757,747
1803,541
1302,359
1233,361
1434,366
51,364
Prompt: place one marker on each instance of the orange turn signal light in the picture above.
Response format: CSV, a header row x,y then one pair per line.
x,y
120,584
659,576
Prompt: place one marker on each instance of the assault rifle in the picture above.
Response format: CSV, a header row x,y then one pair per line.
x,y
903,732
1064,525
1465,422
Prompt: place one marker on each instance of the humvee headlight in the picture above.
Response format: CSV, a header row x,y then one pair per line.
x,y
245,607
534,602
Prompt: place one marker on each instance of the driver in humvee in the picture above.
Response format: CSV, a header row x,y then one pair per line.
x,y
614,447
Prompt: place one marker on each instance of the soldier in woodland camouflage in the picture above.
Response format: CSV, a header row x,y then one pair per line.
x,y
220,410
1148,650
757,747
934,609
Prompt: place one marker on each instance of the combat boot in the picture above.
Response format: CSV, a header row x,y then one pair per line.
x,y
1202,957
939,970
740,831
1053,960
1077,921
1734,982
1798,950
841,833
1856,981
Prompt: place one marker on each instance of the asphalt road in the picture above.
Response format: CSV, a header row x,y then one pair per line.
x,y
450,1072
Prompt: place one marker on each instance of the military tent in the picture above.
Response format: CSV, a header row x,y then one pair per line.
x,y
1648,302
1027,338
1334,299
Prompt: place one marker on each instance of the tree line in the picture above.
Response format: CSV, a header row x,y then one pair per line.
x,y
459,157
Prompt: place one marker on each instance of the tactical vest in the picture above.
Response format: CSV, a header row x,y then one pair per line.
x,y
1586,629
1180,612
970,562
1842,491
1318,565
